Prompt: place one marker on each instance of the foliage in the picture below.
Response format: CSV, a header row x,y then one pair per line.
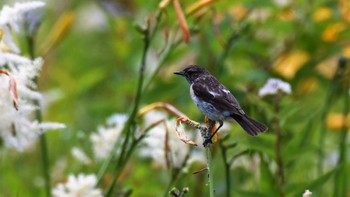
x,y
110,57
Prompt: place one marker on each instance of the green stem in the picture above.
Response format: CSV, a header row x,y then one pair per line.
x,y
43,141
341,182
235,35
166,193
126,130
119,167
210,173
227,168
45,164
30,41
176,173
278,148
323,130
148,36
165,54
111,157
123,157
121,164
44,154
228,178
162,59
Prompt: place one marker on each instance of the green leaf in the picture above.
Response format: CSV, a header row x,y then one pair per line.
x,y
291,154
298,190
341,181
264,143
268,184
90,78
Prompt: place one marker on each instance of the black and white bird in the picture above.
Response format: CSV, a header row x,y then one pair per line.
x,y
216,102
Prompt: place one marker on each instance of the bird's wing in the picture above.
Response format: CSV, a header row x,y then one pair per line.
x,y
212,91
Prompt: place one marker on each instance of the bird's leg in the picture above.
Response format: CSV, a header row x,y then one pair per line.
x,y
220,125
210,134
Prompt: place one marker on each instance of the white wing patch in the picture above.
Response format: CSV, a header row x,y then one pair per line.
x,y
214,94
226,91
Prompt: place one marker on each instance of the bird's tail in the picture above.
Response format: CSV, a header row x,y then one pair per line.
x,y
251,126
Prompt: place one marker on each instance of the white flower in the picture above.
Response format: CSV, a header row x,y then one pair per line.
x,y
97,18
272,87
283,3
22,133
103,141
80,186
17,128
154,143
79,155
117,120
259,14
13,16
13,59
307,193
11,19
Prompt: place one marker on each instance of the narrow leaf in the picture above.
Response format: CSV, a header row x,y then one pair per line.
x,y
268,184
198,5
312,185
182,21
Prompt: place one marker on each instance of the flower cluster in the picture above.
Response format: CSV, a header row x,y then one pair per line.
x,y
81,185
273,86
103,141
307,193
12,19
80,156
18,128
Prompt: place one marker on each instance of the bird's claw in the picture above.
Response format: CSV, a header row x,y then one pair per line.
x,y
207,142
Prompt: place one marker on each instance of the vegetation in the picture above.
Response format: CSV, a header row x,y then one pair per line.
x,y
107,75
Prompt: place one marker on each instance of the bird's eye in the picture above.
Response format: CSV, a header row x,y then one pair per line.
x,y
190,72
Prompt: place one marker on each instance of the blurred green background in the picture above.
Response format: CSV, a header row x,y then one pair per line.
x,y
92,52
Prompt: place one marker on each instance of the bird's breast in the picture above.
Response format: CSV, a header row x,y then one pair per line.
x,y
207,108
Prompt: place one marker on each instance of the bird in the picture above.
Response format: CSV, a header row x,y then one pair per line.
x,y
216,102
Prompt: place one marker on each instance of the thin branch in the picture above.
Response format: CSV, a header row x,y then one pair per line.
x,y
200,171
126,130
278,145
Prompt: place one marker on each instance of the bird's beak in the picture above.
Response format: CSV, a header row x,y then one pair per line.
x,y
179,73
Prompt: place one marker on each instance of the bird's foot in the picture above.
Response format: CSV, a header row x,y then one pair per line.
x,y
207,142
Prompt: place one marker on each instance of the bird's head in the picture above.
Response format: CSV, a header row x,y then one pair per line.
x,y
192,72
